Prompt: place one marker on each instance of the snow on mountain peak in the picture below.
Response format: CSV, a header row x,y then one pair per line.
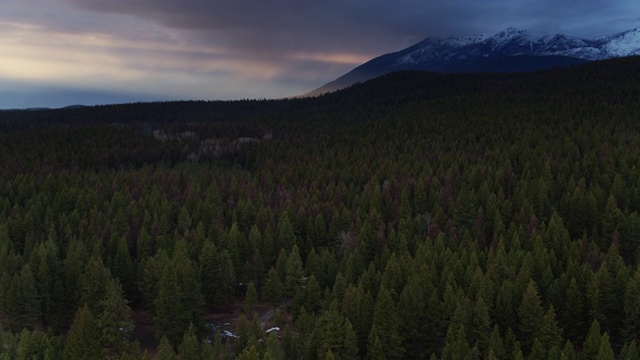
x,y
513,41
624,44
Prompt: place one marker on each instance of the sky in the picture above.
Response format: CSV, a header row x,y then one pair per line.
x,y
55,53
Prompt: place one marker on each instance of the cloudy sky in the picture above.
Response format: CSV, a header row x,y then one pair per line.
x,y
61,52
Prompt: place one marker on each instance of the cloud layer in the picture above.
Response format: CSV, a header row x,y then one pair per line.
x,y
225,49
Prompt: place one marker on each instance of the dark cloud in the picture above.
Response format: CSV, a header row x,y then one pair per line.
x,y
366,25
221,49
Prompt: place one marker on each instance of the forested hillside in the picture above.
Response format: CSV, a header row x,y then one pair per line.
x,y
415,216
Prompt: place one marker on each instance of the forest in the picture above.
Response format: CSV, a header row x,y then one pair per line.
x,y
413,216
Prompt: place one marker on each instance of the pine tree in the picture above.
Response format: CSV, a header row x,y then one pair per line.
x,y
329,331
531,314
30,344
554,353
114,318
249,354
93,282
235,238
456,345
29,300
273,346
83,339
243,332
496,345
631,320
228,278
294,273
170,317
350,342
165,350
210,268
550,334
286,236
574,312
481,325
123,268
538,351
250,301
604,352
190,347
630,351
312,295
374,349
273,289
591,345
385,318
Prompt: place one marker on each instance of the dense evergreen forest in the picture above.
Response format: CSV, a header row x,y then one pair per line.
x,y
414,216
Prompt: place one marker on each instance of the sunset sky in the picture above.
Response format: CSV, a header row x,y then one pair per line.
x,y
61,52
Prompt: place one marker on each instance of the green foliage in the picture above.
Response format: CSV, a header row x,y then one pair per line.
x,y
165,350
83,339
114,318
273,291
531,314
294,272
411,216
250,300
190,347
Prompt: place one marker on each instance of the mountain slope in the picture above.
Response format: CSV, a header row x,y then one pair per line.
x,y
511,50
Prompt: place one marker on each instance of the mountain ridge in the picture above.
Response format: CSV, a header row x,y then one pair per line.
x,y
510,50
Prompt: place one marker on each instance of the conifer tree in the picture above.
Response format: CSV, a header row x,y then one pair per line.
x,y
244,334
531,314
30,344
286,236
312,295
274,349
574,312
591,345
385,318
631,320
170,317
249,354
481,325
605,352
350,342
273,289
83,339
568,351
294,272
228,276
250,301
456,345
538,351
190,347
550,334
30,312
209,262
93,282
374,349
165,350
114,318
630,351
123,268
330,332
496,345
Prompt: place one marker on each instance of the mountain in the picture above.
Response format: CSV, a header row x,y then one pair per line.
x,y
511,50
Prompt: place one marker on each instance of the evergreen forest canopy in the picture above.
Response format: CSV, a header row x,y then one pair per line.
x,y
414,216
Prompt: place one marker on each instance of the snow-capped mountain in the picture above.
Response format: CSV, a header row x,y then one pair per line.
x,y
507,51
